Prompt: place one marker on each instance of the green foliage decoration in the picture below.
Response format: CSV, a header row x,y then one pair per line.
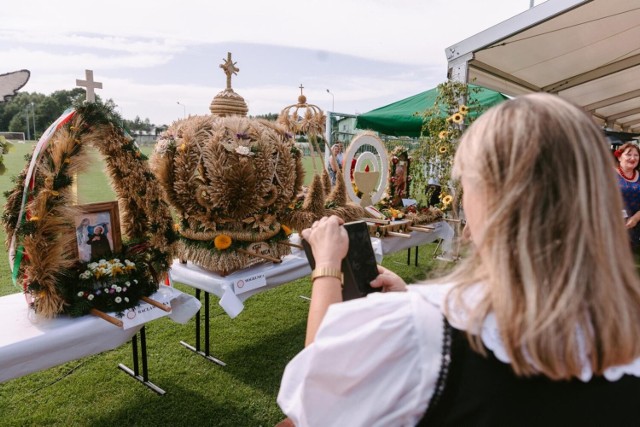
x,y
443,126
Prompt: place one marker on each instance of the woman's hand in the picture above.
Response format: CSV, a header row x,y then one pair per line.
x,y
632,221
388,281
329,241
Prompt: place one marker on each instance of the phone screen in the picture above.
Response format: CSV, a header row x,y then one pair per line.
x,y
360,266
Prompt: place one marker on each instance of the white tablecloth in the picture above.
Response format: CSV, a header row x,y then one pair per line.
x,y
389,245
270,275
30,344
293,266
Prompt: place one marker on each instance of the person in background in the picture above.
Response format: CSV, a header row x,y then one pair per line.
x,y
628,156
333,162
538,325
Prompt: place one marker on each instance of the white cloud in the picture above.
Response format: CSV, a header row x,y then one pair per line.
x,y
139,49
49,62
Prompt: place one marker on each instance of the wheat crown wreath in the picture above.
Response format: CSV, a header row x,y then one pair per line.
x,y
39,216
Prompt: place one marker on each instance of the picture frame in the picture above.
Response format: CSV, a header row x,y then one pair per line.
x,y
97,229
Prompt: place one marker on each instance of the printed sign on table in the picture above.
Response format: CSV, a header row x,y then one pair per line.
x,y
249,283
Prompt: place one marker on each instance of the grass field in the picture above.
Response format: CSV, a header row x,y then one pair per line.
x,y
256,347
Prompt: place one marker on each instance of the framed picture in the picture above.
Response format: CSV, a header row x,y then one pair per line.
x,y
97,228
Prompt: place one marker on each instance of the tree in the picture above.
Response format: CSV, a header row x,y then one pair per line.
x,y
47,108
272,117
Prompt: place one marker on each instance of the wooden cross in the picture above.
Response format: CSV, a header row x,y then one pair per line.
x,y
229,68
301,87
89,84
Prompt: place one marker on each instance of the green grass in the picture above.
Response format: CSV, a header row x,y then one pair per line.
x,y
256,347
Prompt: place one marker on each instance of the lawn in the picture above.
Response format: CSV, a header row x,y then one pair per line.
x,y
256,347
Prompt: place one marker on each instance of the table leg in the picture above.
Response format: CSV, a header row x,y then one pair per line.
x,y
135,373
207,333
435,251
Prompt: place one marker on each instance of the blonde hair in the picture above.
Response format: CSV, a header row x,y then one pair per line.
x,y
553,252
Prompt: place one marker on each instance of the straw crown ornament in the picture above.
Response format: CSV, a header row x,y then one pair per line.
x,y
228,177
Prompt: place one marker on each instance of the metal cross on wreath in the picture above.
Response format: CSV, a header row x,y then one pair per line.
x,y
90,85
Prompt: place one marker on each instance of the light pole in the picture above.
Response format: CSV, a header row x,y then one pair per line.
x,y
33,112
333,101
26,112
184,109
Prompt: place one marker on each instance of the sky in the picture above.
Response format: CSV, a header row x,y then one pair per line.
x,y
160,60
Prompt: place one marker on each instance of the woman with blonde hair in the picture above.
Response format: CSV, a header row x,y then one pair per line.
x,y
539,325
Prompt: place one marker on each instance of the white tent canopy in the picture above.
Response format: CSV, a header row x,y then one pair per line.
x,y
586,51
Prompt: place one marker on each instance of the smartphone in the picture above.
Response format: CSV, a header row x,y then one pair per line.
x,y
359,266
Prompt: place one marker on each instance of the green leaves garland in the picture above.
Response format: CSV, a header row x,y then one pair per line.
x,y
443,126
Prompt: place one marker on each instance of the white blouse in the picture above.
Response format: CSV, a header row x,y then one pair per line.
x,y
374,362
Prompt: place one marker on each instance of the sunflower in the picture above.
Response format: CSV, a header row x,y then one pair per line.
x,y
443,149
222,242
443,134
286,229
457,118
446,200
463,109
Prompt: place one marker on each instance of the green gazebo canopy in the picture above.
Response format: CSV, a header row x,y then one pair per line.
x,y
404,117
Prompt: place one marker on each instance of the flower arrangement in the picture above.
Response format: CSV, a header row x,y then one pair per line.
x,y
110,285
443,126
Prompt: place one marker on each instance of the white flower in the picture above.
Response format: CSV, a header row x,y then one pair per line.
x,y
126,299
243,151
118,289
90,297
80,293
127,283
135,281
118,300
114,286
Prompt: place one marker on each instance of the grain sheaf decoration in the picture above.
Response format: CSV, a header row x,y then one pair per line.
x,y
39,214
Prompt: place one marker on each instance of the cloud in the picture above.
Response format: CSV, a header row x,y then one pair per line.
x,y
93,41
48,62
368,53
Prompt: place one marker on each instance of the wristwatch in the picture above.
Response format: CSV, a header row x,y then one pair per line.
x,y
327,272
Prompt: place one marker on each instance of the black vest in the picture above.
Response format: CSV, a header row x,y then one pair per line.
x,y
476,391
